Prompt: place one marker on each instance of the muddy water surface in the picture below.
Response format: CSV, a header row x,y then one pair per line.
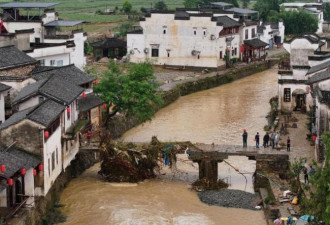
x,y
216,115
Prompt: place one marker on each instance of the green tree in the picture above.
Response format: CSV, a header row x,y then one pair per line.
x,y
298,22
318,204
295,170
264,6
245,3
327,12
133,93
191,3
123,29
160,5
127,6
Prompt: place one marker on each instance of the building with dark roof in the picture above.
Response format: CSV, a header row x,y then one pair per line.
x,y
110,48
11,58
3,100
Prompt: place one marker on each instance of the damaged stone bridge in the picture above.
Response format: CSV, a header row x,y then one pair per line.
x,y
208,157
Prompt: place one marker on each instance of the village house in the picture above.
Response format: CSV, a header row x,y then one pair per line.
x,y
113,48
3,94
49,115
47,34
320,89
315,9
15,68
186,39
308,54
271,33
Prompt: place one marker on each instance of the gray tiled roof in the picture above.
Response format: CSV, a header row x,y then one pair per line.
x,y
4,87
90,102
29,91
110,43
63,23
319,77
319,67
14,159
27,5
241,11
226,22
255,43
61,90
15,118
46,112
69,73
10,57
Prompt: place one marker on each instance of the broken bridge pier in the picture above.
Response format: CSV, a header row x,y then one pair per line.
x,y
208,157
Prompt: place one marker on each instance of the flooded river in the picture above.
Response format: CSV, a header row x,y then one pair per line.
x,y
217,115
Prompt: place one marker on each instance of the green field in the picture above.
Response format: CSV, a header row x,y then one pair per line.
x,y
85,9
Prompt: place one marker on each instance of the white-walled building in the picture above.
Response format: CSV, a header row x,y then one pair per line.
x,y
47,29
3,94
271,33
307,56
187,39
315,9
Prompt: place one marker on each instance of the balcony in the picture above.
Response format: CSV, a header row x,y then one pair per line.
x,y
74,129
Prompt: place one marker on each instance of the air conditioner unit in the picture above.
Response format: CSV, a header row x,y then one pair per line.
x,y
131,52
212,37
146,50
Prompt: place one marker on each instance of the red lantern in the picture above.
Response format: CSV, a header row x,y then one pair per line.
x,y
2,168
84,95
34,172
104,106
46,134
242,48
68,110
232,47
314,137
40,167
10,182
95,83
23,171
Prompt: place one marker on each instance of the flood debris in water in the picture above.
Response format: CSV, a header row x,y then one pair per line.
x,y
206,184
128,162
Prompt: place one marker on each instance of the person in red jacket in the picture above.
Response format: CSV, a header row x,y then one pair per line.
x,y
89,136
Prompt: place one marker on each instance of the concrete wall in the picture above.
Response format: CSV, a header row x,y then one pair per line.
x,y
181,37
12,26
28,103
17,86
52,147
27,135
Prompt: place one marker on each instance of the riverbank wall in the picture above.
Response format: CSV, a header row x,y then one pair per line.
x,y
119,125
45,211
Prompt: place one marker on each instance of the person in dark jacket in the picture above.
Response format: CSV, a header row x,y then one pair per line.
x,y
266,140
288,144
257,138
245,136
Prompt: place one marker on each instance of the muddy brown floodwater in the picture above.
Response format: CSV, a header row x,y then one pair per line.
x,y
217,115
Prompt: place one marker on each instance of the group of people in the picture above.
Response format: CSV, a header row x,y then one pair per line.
x,y
271,139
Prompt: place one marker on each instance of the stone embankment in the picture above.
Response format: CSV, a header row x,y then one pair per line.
x,y
230,198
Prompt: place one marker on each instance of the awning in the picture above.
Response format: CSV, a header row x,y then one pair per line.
x,y
255,43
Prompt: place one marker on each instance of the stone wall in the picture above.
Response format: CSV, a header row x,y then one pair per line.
x,y
26,134
273,164
19,71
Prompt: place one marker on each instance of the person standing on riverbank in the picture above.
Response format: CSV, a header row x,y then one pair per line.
x,y
305,172
266,140
288,144
257,138
245,136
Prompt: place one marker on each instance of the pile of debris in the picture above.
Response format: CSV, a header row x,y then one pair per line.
x,y
127,162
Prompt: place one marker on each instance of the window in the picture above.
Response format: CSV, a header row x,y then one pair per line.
x,y
235,51
56,156
246,34
52,62
253,32
287,95
154,52
164,31
220,54
37,40
52,127
232,52
195,32
204,32
198,57
168,54
42,62
53,160
59,63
